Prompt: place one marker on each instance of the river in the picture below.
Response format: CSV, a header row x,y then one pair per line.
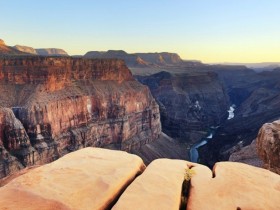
x,y
194,156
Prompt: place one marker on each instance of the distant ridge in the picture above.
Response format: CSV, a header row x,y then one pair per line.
x,y
41,51
139,59
7,50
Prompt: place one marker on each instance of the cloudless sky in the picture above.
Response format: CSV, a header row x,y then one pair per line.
x,y
207,30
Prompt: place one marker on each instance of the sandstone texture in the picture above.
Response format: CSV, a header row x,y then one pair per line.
x,y
52,106
94,178
234,186
90,178
159,187
268,145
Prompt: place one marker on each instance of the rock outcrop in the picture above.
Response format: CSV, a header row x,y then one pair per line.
x,y
65,104
159,187
189,102
88,179
233,186
268,145
95,178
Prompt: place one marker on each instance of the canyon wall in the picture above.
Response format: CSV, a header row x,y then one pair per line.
x,y
52,106
189,102
257,100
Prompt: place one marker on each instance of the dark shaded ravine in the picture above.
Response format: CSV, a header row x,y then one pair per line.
x,y
194,155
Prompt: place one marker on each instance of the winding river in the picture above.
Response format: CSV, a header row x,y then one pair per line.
x,y
194,156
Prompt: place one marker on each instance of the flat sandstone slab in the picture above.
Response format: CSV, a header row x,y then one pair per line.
x,y
158,188
91,178
234,186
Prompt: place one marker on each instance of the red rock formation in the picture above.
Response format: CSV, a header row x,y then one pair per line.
x,y
268,145
65,104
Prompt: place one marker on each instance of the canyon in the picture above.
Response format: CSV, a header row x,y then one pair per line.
x,y
60,104
51,106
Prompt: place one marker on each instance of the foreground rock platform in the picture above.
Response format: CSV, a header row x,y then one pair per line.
x,y
88,179
234,186
94,178
159,187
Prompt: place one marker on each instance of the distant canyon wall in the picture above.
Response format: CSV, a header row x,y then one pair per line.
x,y
52,106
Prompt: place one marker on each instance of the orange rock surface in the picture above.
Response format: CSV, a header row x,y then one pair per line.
x,y
159,187
88,179
234,186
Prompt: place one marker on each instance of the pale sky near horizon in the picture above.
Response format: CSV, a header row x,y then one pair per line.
x,y
206,30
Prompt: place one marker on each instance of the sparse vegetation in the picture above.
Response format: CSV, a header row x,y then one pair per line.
x,y
189,173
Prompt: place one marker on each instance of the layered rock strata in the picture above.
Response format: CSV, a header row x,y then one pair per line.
x,y
268,145
63,104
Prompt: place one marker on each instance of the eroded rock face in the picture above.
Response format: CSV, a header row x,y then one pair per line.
x,y
90,178
189,103
65,104
268,145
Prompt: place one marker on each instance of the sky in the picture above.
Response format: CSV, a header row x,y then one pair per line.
x,y
212,31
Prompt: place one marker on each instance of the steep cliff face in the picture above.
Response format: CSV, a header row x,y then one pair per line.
x,y
268,145
189,102
65,104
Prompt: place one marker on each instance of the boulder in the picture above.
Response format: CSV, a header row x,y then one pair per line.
x,y
234,186
159,187
268,144
90,178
